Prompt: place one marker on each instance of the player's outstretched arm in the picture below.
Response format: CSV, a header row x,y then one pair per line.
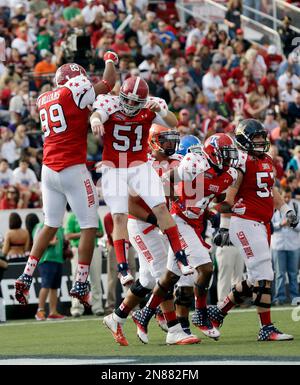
x,y
96,124
107,83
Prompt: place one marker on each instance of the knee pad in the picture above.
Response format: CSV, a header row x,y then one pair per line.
x,y
168,293
139,290
184,297
259,291
246,292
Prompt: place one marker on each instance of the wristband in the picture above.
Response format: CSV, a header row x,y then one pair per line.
x,y
108,86
151,218
225,222
96,121
110,61
284,209
163,113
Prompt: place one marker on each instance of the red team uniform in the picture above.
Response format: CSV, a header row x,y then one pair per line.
x,y
64,119
125,154
250,232
201,183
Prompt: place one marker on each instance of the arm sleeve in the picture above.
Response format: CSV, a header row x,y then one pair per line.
x,y
82,90
106,105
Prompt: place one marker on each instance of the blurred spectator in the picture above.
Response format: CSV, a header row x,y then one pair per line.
x,y
284,144
50,269
71,11
147,66
27,183
270,123
288,94
44,67
6,176
120,46
285,249
288,76
287,35
233,17
196,72
16,240
220,104
211,82
294,110
8,146
273,59
294,163
234,98
19,104
31,221
152,48
72,233
22,42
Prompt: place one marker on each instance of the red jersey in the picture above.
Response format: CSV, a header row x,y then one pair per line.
x,y
235,101
200,184
125,141
64,120
256,187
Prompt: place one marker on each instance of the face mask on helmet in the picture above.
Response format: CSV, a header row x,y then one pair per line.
x,y
260,146
131,105
196,149
229,156
168,142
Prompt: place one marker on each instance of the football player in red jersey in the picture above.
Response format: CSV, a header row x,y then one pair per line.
x,y
249,227
202,175
151,246
64,116
124,122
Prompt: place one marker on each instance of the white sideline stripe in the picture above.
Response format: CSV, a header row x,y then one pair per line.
x,y
12,323
62,361
234,362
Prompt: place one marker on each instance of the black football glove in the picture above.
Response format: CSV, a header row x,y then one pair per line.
x,y
222,237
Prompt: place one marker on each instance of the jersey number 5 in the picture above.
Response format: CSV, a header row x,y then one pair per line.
x,y
265,190
126,145
53,118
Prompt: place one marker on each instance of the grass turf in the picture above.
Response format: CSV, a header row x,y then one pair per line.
x,y
88,337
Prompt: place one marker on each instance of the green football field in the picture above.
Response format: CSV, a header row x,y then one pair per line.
x,y
86,340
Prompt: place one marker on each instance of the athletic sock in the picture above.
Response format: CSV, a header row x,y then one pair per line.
x,y
200,300
173,236
265,318
123,311
82,272
31,265
226,305
121,248
171,318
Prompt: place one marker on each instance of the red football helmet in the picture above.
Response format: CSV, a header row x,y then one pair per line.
x,y
133,95
67,72
163,139
221,150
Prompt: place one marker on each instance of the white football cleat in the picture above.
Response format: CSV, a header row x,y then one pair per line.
x,y
116,328
176,336
271,333
126,278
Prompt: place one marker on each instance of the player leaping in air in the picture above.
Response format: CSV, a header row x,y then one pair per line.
x,y
64,117
124,122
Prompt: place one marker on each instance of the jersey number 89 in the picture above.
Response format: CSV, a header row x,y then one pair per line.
x,y
53,118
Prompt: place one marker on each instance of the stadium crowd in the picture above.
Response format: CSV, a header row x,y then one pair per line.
x,y
210,78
